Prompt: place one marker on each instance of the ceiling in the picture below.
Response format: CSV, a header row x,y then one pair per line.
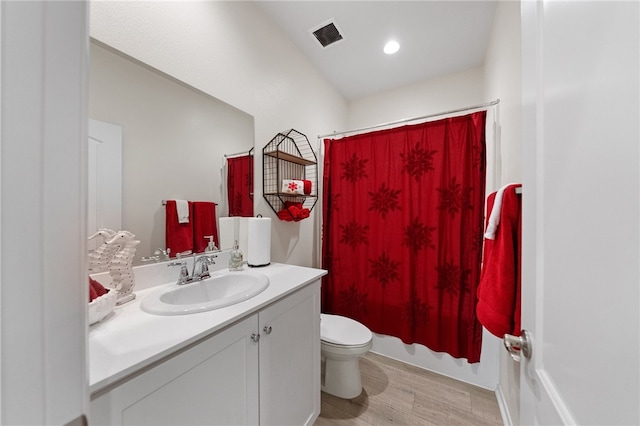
x,y
436,38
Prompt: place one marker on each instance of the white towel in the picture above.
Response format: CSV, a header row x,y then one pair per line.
x,y
182,209
290,186
494,219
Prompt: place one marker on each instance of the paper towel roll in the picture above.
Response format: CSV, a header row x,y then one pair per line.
x,y
243,235
259,233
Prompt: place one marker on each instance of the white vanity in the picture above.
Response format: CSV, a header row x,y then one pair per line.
x,y
254,362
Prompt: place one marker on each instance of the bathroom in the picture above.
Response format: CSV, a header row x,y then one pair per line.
x,y
251,79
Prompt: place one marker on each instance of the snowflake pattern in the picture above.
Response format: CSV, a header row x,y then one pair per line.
x,y
452,279
354,234
455,197
293,186
351,300
448,277
417,162
416,312
384,269
418,235
354,169
384,200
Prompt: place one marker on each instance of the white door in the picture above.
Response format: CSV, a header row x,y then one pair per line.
x,y
581,212
104,170
44,55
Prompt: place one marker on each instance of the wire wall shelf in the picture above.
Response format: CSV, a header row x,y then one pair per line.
x,y
289,156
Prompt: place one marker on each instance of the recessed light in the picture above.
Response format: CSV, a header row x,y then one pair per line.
x,y
391,47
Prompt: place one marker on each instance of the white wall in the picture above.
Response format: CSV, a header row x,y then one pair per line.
x,y
231,51
174,140
428,97
502,80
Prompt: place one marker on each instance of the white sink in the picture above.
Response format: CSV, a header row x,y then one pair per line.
x,y
222,289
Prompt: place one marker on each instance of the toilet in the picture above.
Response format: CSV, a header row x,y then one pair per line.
x,y
343,342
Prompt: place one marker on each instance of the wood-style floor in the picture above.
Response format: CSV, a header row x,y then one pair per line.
x,y
398,393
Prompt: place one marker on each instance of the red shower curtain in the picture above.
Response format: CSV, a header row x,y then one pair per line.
x,y
402,236
240,185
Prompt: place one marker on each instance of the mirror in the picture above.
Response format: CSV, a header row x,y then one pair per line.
x,y
174,140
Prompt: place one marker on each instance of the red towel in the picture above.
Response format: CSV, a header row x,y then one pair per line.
x,y
240,186
498,308
307,186
293,212
178,236
204,224
95,289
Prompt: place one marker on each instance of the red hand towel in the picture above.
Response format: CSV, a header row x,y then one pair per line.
x,y
498,308
179,236
288,214
204,223
307,186
303,214
293,212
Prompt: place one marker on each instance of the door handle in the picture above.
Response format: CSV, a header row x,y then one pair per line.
x,y
518,345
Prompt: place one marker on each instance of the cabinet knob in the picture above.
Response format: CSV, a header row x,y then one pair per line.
x,y
267,329
255,337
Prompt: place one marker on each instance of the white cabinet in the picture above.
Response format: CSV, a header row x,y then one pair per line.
x,y
290,359
233,377
213,383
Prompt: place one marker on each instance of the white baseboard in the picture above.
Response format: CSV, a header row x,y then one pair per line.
x,y
504,409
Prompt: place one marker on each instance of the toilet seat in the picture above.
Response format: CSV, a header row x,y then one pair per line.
x,y
339,331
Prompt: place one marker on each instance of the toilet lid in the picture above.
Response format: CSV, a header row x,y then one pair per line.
x,y
341,330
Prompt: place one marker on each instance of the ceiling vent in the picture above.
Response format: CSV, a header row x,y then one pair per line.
x,y
327,33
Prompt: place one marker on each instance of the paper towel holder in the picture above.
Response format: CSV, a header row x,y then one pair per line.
x,y
250,257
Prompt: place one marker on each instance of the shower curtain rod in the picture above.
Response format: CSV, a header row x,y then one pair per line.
x,y
238,153
406,120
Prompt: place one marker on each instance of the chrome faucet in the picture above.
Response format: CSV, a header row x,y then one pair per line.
x,y
184,277
203,272
197,274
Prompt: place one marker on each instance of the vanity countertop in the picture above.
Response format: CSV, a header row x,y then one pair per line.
x,y
130,339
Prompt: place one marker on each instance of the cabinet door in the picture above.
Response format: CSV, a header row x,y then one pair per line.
x,y
290,359
213,383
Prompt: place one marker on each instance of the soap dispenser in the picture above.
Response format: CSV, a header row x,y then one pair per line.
x,y
235,259
211,246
